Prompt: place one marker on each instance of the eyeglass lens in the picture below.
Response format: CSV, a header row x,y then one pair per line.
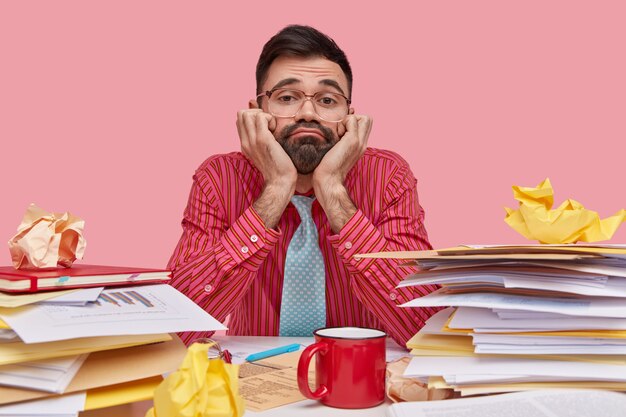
x,y
329,106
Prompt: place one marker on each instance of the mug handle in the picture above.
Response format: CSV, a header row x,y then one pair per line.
x,y
303,371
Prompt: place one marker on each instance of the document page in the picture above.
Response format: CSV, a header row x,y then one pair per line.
x,y
272,382
588,307
541,403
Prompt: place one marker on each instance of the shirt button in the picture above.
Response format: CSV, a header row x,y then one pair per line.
x,y
244,249
347,245
254,238
208,288
392,296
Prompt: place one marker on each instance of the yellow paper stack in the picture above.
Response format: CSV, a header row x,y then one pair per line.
x,y
63,332
115,369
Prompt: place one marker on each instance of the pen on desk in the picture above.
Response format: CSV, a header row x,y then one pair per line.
x,y
273,352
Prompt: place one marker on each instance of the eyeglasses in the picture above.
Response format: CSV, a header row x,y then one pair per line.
x,y
287,102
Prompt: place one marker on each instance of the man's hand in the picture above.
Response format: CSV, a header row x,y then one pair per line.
x,y
259,145
329,176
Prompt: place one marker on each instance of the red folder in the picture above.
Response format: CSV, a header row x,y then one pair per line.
x,y
78,276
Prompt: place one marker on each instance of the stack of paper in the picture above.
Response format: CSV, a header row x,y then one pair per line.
x,y
521,317
113,343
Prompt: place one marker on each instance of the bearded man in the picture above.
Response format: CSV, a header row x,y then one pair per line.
x,y
269,233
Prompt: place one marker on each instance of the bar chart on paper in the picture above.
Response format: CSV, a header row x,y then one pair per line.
x,y
114,304
133,310
118,298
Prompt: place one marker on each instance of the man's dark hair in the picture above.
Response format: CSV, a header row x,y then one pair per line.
x,y
301,41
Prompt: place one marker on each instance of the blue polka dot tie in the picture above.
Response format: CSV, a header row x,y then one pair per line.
x,y
303,306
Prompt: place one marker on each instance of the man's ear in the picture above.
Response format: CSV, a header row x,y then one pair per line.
x,y
252,104
351,111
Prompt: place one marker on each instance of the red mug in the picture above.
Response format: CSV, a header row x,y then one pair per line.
x,y
349,368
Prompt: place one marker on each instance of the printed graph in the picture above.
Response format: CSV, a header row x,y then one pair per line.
x,y
120,298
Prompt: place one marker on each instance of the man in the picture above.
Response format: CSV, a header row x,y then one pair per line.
x,y
304,172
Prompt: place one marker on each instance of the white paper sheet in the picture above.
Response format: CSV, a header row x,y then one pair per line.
x,y
460,380
614,287
495,349
437,365
592,307
7,335
530,340
608,267
540,403
80,297
437,321
69,404
484,320
119,311
534,315
51,375
473,275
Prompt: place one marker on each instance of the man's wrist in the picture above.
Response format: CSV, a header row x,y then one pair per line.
x,y
336,203
272,202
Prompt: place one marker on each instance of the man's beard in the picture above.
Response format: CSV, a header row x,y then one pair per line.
x,y
306,152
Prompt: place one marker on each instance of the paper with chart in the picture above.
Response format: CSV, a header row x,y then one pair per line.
x,y
118,311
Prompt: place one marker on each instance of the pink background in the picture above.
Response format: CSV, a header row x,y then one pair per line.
x,y
107,108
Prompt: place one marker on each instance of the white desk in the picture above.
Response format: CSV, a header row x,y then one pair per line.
x,y
258,343
302,408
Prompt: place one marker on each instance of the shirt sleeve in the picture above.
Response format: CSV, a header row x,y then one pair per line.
x,y
215,261
399,227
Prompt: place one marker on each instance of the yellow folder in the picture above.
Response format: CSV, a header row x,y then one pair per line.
x,y
128,392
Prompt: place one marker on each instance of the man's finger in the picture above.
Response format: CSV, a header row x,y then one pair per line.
x,y
364,126
249,124
351,124
262,121
239,123
272,124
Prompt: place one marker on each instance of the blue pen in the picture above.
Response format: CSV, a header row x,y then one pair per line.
x,y
273,352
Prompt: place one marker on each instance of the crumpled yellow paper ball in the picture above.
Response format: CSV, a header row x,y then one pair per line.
x,y
47,240
201,387
569,223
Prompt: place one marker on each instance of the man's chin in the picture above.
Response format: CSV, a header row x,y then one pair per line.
x,y
305,166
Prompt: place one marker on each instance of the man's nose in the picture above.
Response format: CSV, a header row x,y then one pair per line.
x,y
307,111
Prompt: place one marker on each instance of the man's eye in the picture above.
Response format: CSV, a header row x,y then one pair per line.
x,y
327,101
287,99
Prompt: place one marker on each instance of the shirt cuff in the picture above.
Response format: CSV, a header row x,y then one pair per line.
x,y
248,241
358,235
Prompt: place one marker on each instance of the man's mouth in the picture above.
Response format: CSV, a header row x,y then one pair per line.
x,y
307,132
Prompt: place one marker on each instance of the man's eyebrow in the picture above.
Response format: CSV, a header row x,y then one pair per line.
x,y
332,83
286,81
326,81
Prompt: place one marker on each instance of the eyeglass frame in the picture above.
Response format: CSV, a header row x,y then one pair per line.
x,y
309,97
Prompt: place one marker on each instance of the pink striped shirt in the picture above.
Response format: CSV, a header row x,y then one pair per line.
x,y
230,264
